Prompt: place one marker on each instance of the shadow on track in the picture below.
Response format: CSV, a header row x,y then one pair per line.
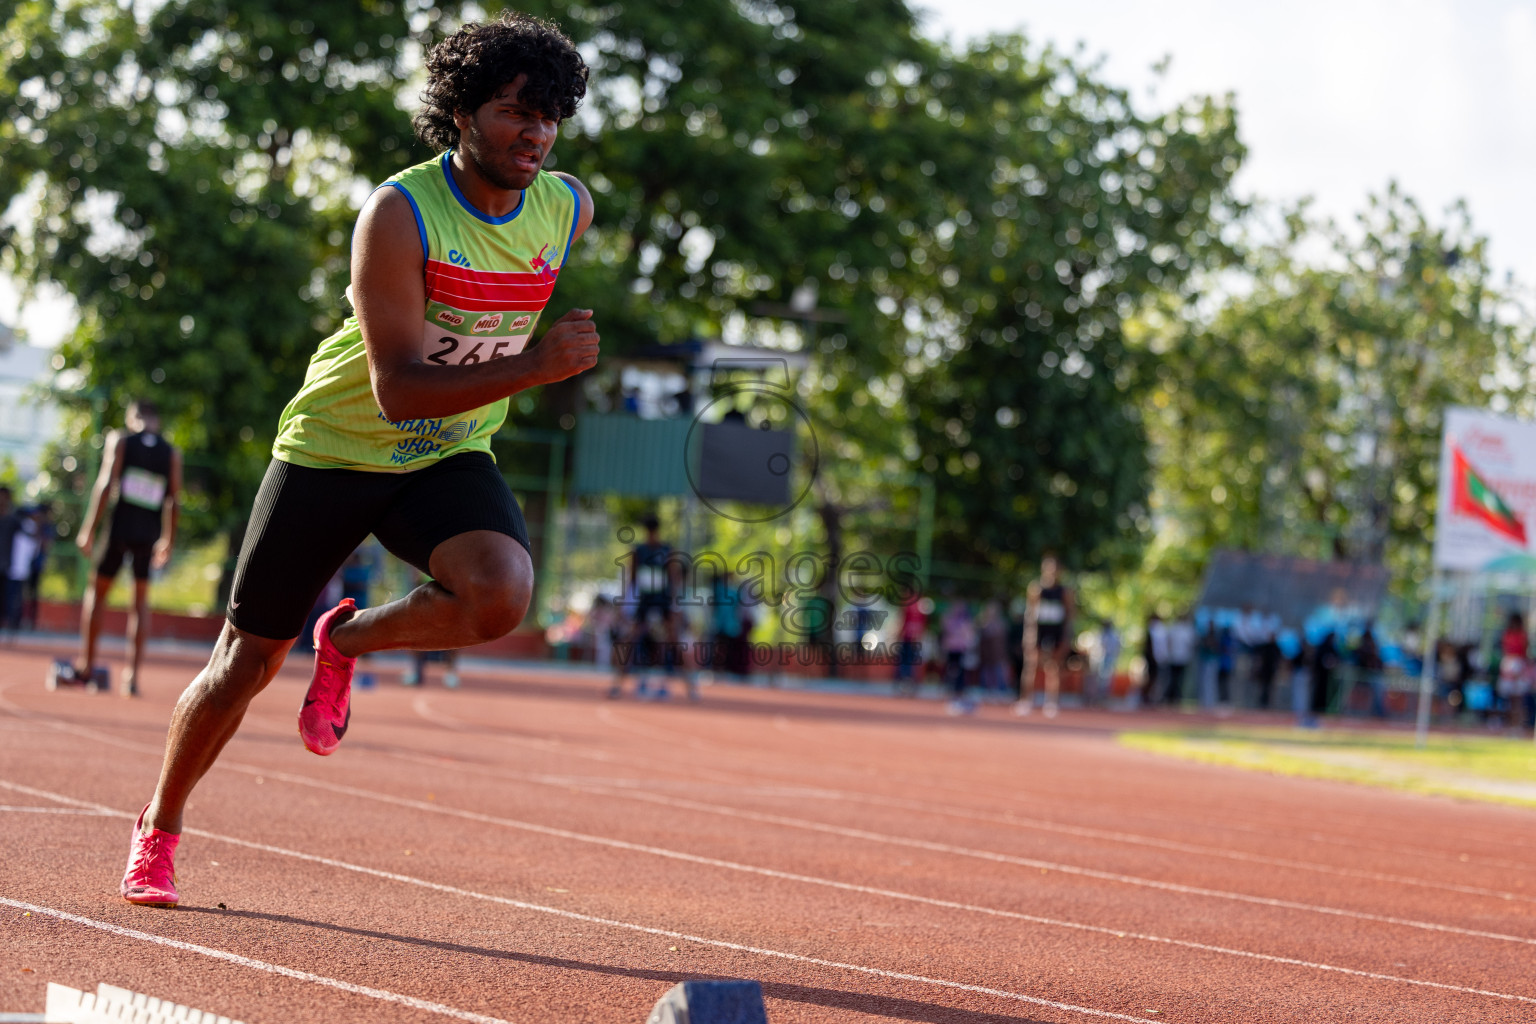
x,y
877,1005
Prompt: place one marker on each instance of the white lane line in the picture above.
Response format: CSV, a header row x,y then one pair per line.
x,y
1127,838
18,809
829,883
878,837
862,834
521,905
761,766
258,965
607,715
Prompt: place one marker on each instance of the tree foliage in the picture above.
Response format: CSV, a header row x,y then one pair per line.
x,y
185,171
982,223
1303,414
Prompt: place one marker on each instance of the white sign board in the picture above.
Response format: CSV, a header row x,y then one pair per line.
x,y
1487,506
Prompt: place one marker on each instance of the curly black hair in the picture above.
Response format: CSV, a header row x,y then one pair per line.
x,y
469,67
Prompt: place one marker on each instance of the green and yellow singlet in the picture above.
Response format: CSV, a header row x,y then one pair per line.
x,y
488,279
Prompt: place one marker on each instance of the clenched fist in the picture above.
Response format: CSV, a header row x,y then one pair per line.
x,y
567,348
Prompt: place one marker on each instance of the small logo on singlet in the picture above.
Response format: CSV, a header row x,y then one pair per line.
x,y
521,322
541,266
452,319
457,258
486,323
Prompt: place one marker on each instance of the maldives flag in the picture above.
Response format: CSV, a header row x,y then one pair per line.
x,y
1471,496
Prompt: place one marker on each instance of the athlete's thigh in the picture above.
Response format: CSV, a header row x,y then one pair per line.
x,y
462,494
142,555
304,525
111,561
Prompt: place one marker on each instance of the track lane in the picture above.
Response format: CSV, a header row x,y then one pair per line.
x,y
839,920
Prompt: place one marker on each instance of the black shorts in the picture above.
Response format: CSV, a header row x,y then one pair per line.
x,y
1050,639
117,549
648,605
307,521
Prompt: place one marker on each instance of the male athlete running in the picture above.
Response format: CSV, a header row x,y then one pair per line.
x,y
452,262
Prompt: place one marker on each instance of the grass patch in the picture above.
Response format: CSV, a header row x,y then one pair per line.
x,y
1496,769
188,585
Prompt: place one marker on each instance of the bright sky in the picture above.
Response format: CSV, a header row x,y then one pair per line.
x,y
1334,98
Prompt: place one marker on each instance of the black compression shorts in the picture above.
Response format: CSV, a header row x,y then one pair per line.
x,y
307,521
118,550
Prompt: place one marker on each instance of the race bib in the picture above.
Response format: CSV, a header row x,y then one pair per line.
x,y
1051,613
651,579
454,338
143,489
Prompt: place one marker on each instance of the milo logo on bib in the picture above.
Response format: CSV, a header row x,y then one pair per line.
x,y
456,337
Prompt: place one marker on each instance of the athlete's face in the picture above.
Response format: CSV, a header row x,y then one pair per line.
x,y
506,141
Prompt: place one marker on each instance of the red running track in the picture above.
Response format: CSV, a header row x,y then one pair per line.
x,y
521,850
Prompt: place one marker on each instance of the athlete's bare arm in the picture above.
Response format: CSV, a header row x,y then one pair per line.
x,y
390,292
111,469
170,514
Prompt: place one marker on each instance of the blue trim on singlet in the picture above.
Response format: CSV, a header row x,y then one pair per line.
x,y
453,187
575,220
421,225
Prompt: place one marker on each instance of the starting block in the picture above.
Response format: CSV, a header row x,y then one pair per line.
x,y
711,1002
62,673
112,1005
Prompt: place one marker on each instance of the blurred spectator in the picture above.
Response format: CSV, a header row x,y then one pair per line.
x,y
1368,660
1299,655
910,640
1227,664
1181,653
992,649
1209,665
1514,670
47,533
1325,660
1048,616
24,548
1267,661
731,623
1154,650
1016,609
10,525
1106,657
959,643
653,584
601,628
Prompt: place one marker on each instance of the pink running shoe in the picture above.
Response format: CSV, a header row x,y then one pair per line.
x,y
150,880
328,705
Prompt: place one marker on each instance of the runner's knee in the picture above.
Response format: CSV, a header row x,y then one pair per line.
x,y
240,668
494,604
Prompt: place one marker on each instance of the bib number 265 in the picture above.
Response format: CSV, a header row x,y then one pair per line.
x,y
448,350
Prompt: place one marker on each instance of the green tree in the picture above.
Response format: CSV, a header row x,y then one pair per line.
x,y
1068,211
984,221
1302,415
187,173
